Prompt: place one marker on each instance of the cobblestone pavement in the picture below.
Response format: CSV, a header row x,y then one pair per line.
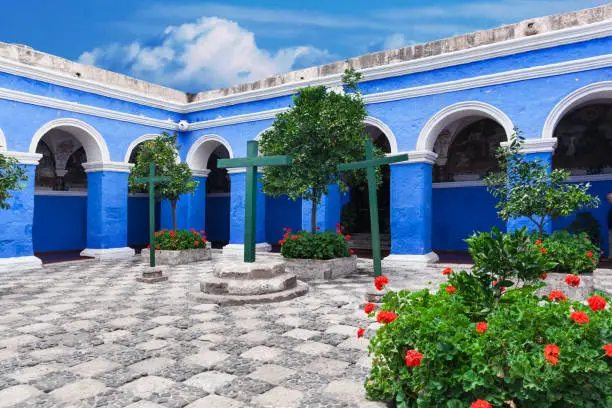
x,y
86,334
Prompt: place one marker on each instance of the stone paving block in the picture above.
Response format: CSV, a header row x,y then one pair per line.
x,y
94,367
78,390
152,345
152,365
210,381
301,334
16,341
327,366
145,386
79,325
212,337
272,373
250,324
48,317
205,307
291,321
206,317
206,358
144,404
28,374
163,320
113,336
62,307
346,390
164,332
8,354
215,401
37,328
262,353
314,348
255,337
354,343
279,397
125,322
51,353
342,329
12,396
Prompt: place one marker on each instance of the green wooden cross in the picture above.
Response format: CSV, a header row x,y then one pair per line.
x,y
152,180
370,164
251,162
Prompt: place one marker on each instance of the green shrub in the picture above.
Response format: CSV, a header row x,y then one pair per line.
x,y
572,253
497,357
321,245
179,239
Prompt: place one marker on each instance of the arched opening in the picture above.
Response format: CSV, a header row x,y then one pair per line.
x,y
584,147
461,205
356,211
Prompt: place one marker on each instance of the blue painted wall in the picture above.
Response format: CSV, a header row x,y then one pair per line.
x,y
458,212
218,218
60,223
329,209
282,212
138,220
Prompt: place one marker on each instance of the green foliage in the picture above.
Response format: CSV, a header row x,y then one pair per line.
x,y
322,129
586,222
12,176
321,245
163,151
526,188
505,363
570,252
179,239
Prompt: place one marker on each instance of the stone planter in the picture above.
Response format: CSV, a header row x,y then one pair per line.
x,y
185,256
311,269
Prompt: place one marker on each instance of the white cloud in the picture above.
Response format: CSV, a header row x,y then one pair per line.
x,y
208,53
393,41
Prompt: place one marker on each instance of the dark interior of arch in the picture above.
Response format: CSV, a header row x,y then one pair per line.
x,y
584,140
45,170
76,178
471,154
218,180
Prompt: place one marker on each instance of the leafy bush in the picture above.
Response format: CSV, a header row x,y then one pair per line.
x,y
320,245
570,252
526,350
179,239
586,222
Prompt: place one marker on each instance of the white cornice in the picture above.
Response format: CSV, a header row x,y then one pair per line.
x,y
200,173
236,170
417,156
24,157
119,167
232,120
537,145
458,184
57,193
45,101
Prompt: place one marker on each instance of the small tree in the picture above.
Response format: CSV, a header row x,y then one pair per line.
x,y
163,151
323,128
11,178
526,188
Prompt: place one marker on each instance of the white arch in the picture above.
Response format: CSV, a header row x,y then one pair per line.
x,y
201,149
598,90
91,140
135,143
437,123
3,147
258,137
370,120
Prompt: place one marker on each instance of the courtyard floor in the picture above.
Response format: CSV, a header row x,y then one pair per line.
x,y
86,334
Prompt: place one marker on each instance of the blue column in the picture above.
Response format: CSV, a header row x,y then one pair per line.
x,y
518,223
237,205
16,251
329,209
197,205
107,200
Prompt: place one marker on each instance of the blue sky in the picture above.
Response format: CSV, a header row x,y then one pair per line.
x,y
198,45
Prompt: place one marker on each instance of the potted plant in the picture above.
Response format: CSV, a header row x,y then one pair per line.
x,y
180,247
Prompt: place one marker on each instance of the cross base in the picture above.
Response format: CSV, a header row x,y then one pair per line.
x,y
152,275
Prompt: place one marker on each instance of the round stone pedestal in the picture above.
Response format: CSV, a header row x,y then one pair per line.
x,y
152,275
235,283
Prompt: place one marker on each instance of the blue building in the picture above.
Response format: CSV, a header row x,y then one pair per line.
x,y
448,104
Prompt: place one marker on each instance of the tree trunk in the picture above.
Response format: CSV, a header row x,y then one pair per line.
x,y
173,204
313,217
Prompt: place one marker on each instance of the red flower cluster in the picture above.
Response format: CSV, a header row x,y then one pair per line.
x,y
556,294
347,236
158,247
196,243
480,404
351,252
608,349
172,234
447,271
360,332
482,327
589,254
579,317
380,282
369,307
572,280
543,250
155,233
597,303
551,353
386,317
538,242
450,289
544,276
413,358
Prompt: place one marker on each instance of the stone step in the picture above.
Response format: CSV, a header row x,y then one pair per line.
x,y
243,287
262,269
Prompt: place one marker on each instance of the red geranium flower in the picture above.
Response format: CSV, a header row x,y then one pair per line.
x,y
386,317
158,247
551,353
161,232
482,327
172,234
556,294
286,236
204,240
155,233
338,231
447,271
294,237
351,252
196,243
590,254
284,228
148,246
380,282
413,358
572,280
608,349
281,242
543,250
579,317
538,242
597,303
480,404
360,332
202,232
347,236
369,307
337,225
450,289
544,276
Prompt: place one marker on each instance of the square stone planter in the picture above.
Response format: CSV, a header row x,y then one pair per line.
x,y
311,269
185,256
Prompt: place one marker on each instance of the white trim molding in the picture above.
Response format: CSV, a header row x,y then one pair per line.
x,y
199,161
587,178
218,195
3,146
238,249
406,261
232,120
24,157
200,173
417,156
382,126
19,263
458,184
537,145
60,193
109,254
436,124
91,140
237,170
117,167
598,90
135,143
